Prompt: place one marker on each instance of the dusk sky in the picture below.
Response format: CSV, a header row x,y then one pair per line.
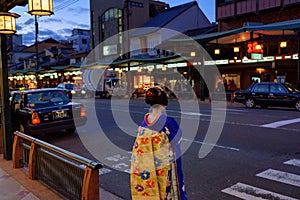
x,y
70,14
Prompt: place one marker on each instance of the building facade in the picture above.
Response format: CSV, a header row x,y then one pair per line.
x,y
110,18
280,46
176,19
232,14
81,40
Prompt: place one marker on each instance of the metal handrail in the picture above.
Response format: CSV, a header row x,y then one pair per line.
x,y
71,175
90,163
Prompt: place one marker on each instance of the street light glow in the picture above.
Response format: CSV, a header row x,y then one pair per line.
x,y
40,7
8,22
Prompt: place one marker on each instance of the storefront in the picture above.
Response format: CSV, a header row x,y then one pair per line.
x,y
253,54
32,79
22,79
174,77
240,74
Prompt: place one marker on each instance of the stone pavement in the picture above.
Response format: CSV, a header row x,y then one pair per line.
x,y
15,185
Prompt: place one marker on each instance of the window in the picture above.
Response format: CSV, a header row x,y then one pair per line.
x,y
261,88
290,88
75,42
136,4
276,88
111,23
16,102
84,41
44,99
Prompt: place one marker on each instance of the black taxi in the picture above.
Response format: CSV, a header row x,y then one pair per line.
x,y
45,110
267,94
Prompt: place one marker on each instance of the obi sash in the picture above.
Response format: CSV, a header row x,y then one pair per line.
x,y
153,167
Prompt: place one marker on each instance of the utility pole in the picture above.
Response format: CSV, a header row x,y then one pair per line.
x,y
6,130
36,42
7,136
127,14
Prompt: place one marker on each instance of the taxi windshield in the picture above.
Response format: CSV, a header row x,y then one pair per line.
x,y
290,88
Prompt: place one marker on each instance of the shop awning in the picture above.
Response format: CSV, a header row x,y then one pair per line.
x,y
244,33
136,62
59,67
74,66
23,71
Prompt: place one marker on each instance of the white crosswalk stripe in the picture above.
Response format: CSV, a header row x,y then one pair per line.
x,y
249,192
282,177
104,170
294,162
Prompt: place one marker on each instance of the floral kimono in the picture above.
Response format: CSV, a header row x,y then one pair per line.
x,y
156,172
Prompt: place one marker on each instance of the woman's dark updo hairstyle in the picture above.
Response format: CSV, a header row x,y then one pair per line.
x,y
156,95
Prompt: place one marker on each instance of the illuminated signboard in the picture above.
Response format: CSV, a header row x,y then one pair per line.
x,y
110,50
295,56
210,62
256,56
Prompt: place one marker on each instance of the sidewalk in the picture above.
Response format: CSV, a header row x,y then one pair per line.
x,y
15,185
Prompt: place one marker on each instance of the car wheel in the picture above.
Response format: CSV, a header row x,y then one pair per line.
x,y
297,105
70,130
250,103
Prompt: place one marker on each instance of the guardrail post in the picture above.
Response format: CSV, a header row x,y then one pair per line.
x,y
17,153
90,187
32,161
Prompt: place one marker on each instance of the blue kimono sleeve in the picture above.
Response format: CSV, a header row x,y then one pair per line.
x,y
175,131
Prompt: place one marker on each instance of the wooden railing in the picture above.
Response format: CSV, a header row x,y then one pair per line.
x,y
71,175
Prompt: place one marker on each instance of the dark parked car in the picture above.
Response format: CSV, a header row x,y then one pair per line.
x,y
45,110
269,94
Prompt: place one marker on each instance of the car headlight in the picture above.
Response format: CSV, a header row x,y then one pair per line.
x,y
73,92
83,92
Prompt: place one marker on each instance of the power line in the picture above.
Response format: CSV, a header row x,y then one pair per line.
x,y
64,4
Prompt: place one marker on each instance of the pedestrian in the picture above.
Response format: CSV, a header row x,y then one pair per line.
x,y
156,171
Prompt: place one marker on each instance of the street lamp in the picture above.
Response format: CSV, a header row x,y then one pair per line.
x,y
8,26
39,8
8,22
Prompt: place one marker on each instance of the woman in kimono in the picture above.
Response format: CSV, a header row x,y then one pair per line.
x,y
156,171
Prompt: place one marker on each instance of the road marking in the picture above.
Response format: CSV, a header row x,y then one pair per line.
x,y
231,109
215,145
183,139
282,177
120,166
249,192
116,158
103,171
193,113
281,123
294,162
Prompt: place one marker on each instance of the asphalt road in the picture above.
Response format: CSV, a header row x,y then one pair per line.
x,y
256,156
